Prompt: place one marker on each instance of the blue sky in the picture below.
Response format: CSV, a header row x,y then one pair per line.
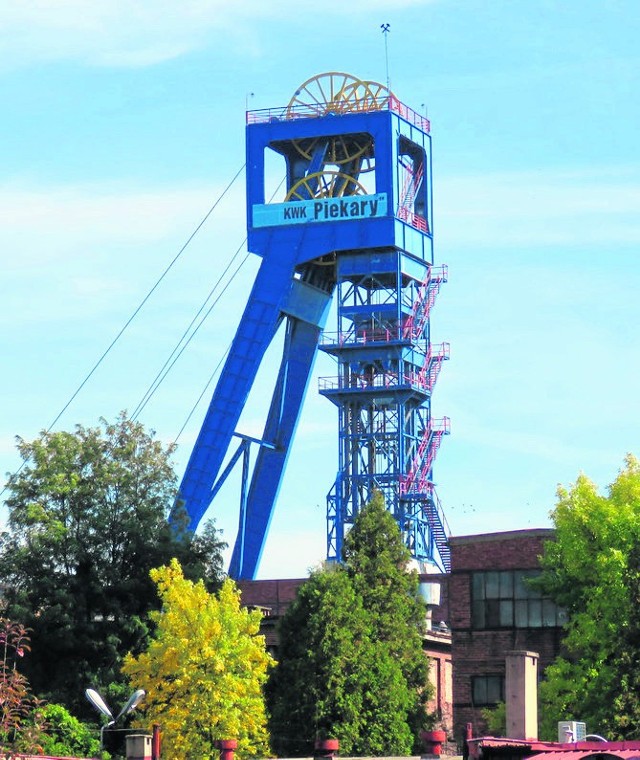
x,y
122,123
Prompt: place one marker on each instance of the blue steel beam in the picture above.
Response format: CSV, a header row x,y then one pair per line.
x,y
258,325
305,307
297,363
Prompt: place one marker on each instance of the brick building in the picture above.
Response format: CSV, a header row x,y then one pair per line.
x,y
486,609
492,610
271,597
437,647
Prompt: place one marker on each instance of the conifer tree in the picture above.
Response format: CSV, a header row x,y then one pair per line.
x,y
350,663
377,561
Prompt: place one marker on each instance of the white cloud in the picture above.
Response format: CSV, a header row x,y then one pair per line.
x,y
550,207
127,33
72,254
42,223
111,32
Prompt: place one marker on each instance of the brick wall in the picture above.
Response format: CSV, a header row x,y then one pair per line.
x,y
277,595
482,652
513,549
441,678
272,597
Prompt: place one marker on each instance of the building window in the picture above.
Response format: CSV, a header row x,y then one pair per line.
x,y
504,599
487,690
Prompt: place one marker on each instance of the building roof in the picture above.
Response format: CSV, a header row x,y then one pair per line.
x,y
533,749
601,751
478,538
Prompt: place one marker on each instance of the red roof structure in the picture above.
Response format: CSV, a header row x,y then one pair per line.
x,y
496,748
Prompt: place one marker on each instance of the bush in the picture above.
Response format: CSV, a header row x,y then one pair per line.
x,y
66,736
496,719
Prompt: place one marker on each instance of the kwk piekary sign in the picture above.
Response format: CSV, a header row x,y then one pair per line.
x,y
320,210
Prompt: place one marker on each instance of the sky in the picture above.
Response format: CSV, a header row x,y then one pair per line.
x,y
123,123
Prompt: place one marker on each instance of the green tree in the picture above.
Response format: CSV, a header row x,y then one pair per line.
x,y
376,559
203,670
592,570
311,692
496,719
65,736
87,521
350,662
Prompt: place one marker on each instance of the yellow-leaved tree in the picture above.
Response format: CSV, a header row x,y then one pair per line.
x,y
203,670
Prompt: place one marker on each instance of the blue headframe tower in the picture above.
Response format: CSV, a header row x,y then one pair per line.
x,y
354,218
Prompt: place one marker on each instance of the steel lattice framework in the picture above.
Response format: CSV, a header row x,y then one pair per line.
x,y
387,370
355,219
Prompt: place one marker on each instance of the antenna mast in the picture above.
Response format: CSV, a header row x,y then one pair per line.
x,y
385,31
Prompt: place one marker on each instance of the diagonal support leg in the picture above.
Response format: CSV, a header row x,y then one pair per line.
x,y
295,370
258,325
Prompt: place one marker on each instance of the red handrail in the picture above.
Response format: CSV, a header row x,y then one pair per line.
x,y
301,111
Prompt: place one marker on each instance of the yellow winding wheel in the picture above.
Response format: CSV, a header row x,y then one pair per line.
x,y
321,95
338,93
326,184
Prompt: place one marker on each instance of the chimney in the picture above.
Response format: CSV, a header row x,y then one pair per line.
x,y
138,747
430,593
521,695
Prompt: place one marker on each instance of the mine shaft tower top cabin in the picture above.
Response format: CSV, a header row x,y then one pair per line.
x,y
354,217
